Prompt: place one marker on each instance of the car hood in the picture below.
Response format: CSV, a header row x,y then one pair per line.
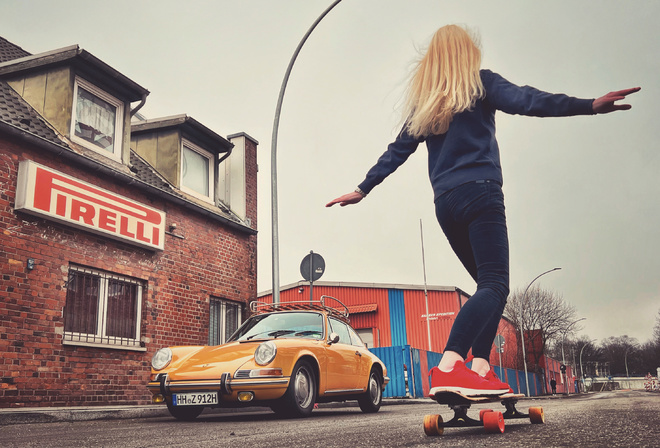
x,y
212,361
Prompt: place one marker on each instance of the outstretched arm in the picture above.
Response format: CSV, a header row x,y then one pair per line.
x,y
605,104
351,198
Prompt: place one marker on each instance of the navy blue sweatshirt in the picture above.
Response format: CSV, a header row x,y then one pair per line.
x,y
468,151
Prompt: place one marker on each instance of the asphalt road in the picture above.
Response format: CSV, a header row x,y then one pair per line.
x,y
610,419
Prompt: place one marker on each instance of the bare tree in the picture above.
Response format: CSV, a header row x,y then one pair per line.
x,y
544,317
623,355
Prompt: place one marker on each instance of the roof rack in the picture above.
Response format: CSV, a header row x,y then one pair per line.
x,y
340,311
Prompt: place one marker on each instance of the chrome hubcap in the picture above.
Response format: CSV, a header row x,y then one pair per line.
x,y
374,390
303,388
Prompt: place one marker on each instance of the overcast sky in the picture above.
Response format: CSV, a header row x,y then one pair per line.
x,y
581,193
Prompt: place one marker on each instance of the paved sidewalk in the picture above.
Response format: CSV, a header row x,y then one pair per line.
x,y
13,416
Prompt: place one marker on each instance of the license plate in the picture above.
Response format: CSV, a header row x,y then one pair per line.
x,y
195,399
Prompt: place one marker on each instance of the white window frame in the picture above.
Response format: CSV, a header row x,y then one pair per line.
x,y
211,174
221,321
119,119
100,339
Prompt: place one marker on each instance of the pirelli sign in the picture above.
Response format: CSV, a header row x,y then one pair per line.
x,y
47,193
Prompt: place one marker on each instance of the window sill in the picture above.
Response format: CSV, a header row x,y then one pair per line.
x,y
133,348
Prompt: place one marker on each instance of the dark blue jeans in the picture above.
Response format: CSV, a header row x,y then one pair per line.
x,y
473,219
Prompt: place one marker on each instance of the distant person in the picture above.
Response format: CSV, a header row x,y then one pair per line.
x,y
553,386
451,105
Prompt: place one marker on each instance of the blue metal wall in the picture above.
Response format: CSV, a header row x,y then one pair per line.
x,y
394,358
397,317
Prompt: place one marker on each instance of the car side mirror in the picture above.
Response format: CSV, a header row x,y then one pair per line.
x,y
334,338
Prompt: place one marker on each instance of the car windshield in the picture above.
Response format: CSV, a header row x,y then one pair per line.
x,y
275,325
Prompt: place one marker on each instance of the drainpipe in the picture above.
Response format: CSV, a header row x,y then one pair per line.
x,y
139,106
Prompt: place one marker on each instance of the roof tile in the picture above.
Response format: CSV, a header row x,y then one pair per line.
x,y
9,51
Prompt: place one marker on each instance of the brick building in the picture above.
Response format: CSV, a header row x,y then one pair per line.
x,y
118,235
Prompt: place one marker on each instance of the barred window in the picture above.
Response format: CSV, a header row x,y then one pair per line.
x,y
102,309
225,318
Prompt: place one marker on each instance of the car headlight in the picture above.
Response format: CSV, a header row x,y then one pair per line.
x,y
265,353
161,358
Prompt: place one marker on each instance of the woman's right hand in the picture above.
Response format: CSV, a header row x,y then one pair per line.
x,y
351,198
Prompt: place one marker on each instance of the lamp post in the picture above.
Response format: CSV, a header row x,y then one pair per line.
x,y
522,336
273,160
563,358
582,371
625,359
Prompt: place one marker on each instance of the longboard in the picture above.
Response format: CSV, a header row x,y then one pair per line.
x,y
492,421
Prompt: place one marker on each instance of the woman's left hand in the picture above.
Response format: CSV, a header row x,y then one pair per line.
x,y
605,104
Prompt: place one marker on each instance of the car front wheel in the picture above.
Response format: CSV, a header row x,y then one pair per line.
x,y
371,400
300,396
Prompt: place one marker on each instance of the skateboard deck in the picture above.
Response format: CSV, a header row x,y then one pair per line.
x,y
492,421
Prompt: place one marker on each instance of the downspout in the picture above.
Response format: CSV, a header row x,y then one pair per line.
x,y
139,106
227,154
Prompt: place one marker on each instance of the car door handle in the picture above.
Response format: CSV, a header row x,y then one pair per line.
x,y
358,353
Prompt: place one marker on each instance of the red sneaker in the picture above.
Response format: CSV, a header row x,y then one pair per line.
x,y
492,378
463,380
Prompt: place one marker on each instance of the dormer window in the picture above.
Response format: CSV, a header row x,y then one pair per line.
x,y
97,119
197,171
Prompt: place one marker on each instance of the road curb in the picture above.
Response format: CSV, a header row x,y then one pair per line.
x,y
15,416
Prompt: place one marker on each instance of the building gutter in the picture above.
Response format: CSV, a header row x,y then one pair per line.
x,y
139,106
64,152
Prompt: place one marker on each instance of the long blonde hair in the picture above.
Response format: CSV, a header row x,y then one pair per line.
x,y
444,82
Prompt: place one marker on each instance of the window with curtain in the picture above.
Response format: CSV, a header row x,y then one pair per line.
x,y
97,119
197,171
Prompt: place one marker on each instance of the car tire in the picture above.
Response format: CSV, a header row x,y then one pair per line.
x,y
300,396
185,413
371,400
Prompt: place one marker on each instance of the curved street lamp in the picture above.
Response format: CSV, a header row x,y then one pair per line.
x,y
582,371
522,336
625,358
563,358
273,160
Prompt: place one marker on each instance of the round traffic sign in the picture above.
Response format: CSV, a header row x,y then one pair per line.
x,y
312,267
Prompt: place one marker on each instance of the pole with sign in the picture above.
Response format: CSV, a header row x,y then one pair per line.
x,y
312,268
499,344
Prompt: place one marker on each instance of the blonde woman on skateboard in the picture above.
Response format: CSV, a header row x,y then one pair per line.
x,y
451,105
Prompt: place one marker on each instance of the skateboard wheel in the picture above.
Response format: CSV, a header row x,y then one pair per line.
x,y
482,412
433,425
493,422
536,415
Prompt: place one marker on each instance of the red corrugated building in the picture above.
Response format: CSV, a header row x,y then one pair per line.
x,y
387,315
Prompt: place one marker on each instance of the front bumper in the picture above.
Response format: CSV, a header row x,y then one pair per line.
x,y
262,388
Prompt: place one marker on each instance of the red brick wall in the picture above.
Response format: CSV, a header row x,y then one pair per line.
x,y
36,368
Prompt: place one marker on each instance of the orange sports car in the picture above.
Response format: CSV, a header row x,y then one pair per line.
x,y
287,357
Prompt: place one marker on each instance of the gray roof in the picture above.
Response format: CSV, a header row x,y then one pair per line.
x,y
9,51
